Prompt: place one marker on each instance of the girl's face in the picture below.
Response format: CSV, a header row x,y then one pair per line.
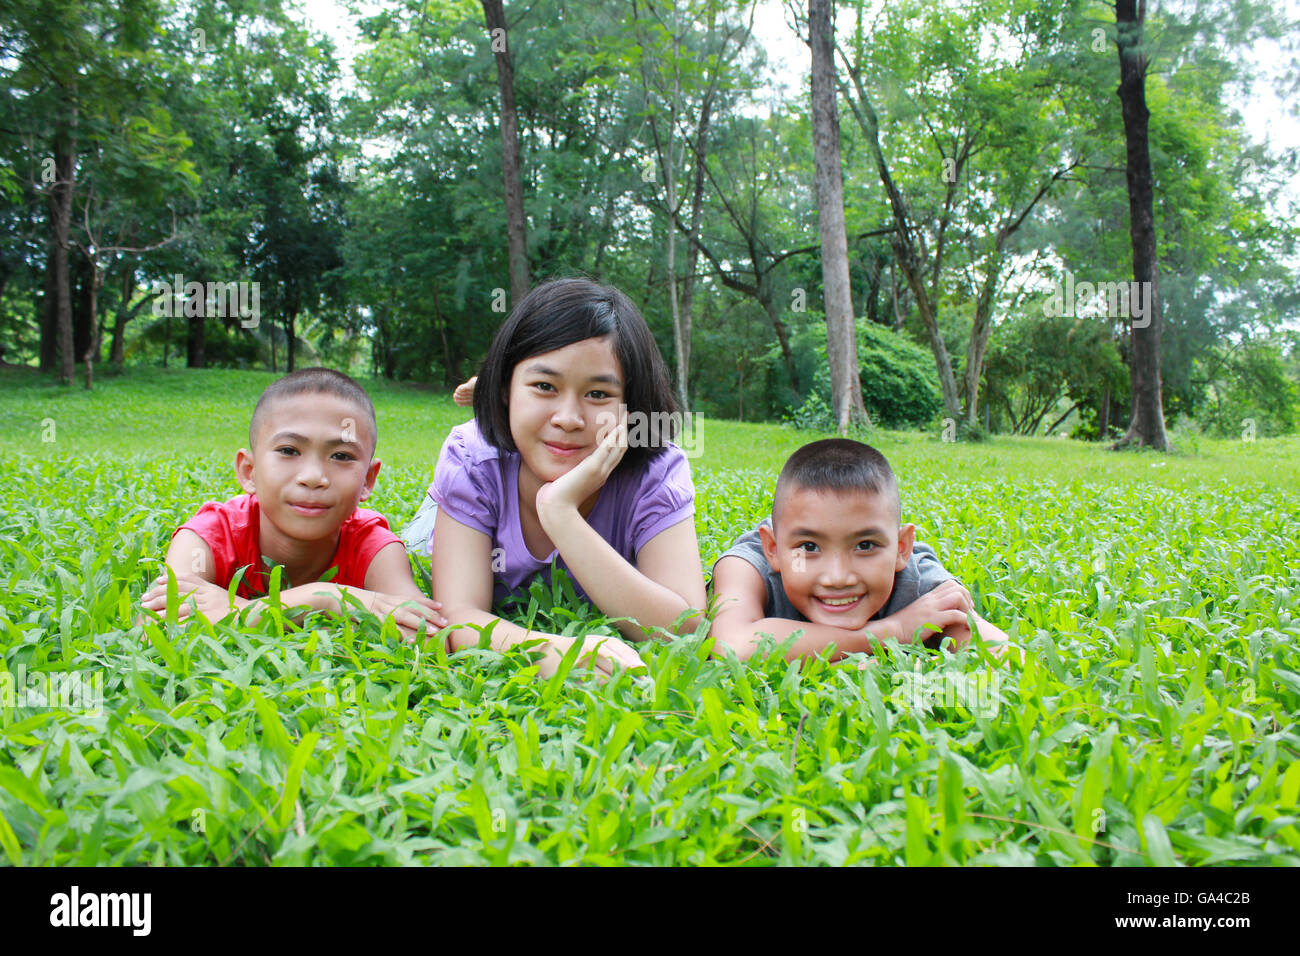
x,y
558,402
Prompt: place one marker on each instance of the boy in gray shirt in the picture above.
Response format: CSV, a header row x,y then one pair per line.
x,y
835,562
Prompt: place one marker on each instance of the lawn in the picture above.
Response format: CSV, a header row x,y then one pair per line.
x,y
1148,718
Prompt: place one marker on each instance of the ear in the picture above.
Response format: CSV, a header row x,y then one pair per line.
x,y
769,547
244,470
371,474
906,538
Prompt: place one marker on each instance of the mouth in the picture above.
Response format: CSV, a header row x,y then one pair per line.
x,y
839,605
309,509
561,450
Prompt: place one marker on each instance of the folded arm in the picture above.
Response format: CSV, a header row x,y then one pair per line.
x,y
462,575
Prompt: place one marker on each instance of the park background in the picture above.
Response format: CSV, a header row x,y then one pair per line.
x,y
1149,714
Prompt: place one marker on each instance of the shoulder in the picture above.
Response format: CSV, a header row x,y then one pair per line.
x,y
749,547
465,444
365,521
364,534
239,512
665,478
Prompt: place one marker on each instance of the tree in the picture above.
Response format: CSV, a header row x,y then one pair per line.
x,y
993,158
841,339
1147,424
516,236
682,80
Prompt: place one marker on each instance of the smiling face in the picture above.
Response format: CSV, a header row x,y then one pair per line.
x,y
837,553
559,403
311,465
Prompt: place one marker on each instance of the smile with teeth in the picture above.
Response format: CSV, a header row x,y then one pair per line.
x,y
840,602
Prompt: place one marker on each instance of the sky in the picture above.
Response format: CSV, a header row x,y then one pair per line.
x,y
1268,117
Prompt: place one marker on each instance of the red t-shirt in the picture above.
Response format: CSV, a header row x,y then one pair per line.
x,y
231,530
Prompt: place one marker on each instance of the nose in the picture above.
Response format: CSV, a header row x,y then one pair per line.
x,y
837,571
568,413
311,474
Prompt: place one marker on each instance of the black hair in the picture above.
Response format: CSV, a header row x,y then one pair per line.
x,y
313,380
557,314
838,464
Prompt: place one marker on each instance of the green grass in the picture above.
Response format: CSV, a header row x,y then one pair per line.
x,y
1151,718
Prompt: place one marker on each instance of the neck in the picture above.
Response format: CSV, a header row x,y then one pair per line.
x,y
530,484
304,561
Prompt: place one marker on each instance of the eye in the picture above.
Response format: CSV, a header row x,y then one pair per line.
x,y
544,386
867,545
344,456
807,546
286,450
598,394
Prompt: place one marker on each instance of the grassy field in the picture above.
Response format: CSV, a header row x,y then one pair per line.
x,y
1149,717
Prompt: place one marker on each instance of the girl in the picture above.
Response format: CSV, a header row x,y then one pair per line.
x,y
546,472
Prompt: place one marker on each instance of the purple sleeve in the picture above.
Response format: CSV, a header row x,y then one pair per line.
x,y
467,481
667,496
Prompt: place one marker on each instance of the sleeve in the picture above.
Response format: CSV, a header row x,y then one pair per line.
x,y
930,572
212,526
749,546
467,486
370,535
667,495
922,575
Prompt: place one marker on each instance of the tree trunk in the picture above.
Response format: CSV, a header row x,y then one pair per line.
x,y
1147,424
768,298
92,304
83,307
692,251
841,335
290,318
61,217
979,338
510,161
196,338
50,309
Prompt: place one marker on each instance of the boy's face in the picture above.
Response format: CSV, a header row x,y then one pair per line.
x,y
837,553
311,465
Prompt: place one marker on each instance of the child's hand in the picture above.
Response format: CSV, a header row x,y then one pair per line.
x,y
601,653
588,476
942,609
464,394
414,617
194,594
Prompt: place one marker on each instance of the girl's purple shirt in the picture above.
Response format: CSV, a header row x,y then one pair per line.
x,y
478,485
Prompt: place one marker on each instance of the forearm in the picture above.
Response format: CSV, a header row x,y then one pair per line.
x,y
744,639
612,583
318,596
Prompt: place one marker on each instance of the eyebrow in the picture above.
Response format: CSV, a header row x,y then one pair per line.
x,y
863,533
303,439
547,370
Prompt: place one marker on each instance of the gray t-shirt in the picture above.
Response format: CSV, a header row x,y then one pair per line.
x,y
922,574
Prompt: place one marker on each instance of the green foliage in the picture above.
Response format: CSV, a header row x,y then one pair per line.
x,y
899,388
1150,716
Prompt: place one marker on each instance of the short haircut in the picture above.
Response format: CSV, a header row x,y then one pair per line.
x,y
557,314
838,464
308,381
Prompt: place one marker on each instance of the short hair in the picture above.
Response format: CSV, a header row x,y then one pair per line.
x,y
838,464
557,314
308,381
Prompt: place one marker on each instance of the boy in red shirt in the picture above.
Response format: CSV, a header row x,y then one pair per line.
x,y
313,437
